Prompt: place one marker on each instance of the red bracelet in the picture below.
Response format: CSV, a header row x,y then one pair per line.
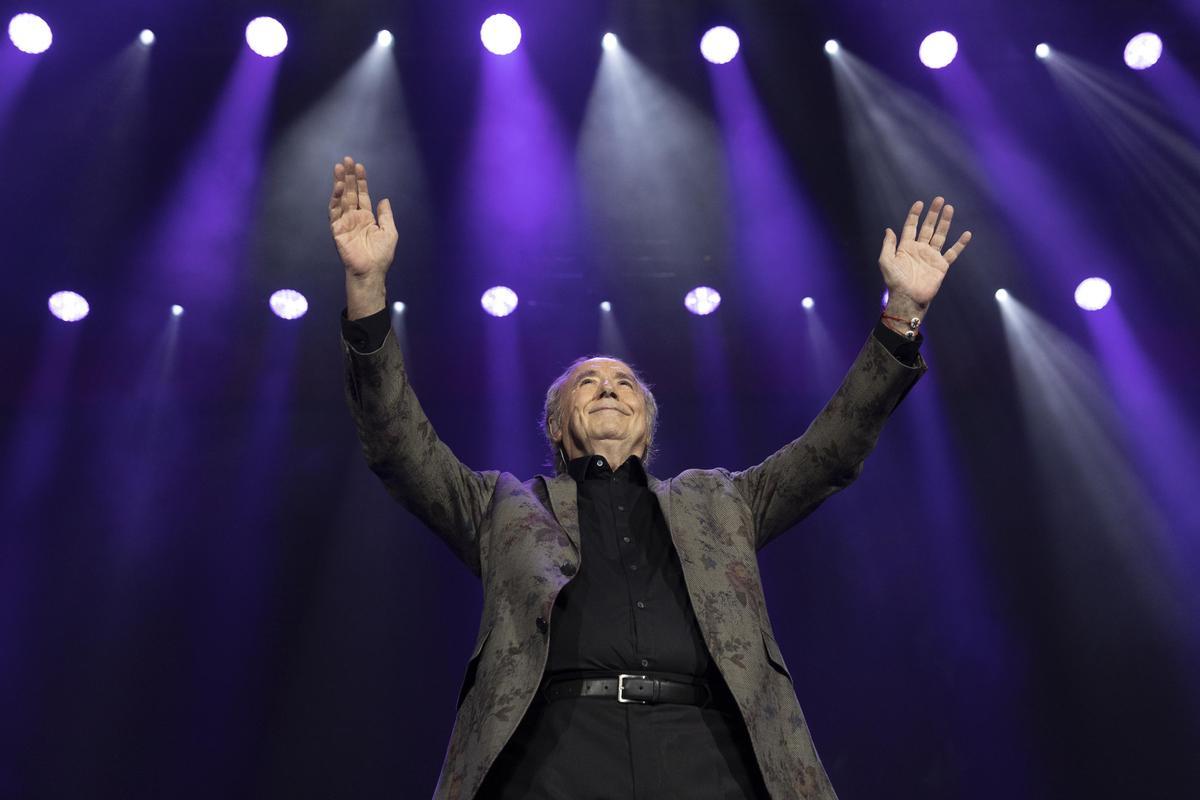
x,y
913,324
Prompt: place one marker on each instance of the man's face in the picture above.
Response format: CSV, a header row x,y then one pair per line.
x,y
604,402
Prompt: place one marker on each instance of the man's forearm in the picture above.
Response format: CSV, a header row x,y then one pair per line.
x,y
365,296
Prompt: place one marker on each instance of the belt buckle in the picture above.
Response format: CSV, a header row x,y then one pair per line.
x,y
621,689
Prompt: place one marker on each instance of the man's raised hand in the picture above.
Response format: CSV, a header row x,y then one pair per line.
x,y
914,269
365,245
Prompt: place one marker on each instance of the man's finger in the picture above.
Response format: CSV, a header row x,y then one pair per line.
x,y
360,177
910,225
935,210
350,200
335,196
959,246
386,221
943,228
335,201
889,245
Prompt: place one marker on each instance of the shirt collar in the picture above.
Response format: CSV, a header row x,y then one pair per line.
x,y
593,466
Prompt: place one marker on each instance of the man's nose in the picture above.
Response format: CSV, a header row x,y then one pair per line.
x,y
606,388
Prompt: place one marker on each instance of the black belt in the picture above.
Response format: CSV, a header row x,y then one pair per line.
x,y
628,688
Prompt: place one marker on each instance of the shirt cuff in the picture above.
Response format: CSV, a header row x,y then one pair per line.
x,y
366,335
904,351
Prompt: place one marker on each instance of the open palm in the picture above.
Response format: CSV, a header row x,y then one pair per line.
x,y
916,266
365,245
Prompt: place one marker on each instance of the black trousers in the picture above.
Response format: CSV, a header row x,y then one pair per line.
x,y
592,748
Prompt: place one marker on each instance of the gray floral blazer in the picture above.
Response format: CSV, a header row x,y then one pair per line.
x,y
522,539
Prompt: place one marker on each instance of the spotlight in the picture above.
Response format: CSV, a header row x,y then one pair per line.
x,y
808,303
68,306
719,45
1093,294
938,49
1002,295
1143,51
1042,51
609,42
176,310
500,34
30,33
605,306
702,300
398,307
499,301
384,38
289,304
833,46
266,36
146,37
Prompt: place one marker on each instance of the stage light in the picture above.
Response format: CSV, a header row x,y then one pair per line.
x,y
609,42
289,304
719,45
266,36
808,303
1093,294
702,300
384,38
146,37
500,34
398,307
176,310
605,306
499,301
68,306
1143,51
938,49
30,33
832,47
1042,51
1002,295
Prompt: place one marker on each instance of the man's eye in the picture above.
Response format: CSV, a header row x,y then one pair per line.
x,y
627,383
582,381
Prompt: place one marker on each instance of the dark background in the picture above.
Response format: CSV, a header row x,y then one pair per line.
x,y
204,592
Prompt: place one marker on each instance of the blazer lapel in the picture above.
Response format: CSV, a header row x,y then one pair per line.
x,y
563,500
662,489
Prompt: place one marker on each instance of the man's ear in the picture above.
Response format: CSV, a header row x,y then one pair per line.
x,y
555,430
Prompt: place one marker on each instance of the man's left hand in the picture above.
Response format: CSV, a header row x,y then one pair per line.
x,y
914,269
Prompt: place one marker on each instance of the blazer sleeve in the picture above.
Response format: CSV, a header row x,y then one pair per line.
x,y
829,456
402,448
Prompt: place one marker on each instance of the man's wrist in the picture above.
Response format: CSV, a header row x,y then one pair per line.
x,y
900,311
365,296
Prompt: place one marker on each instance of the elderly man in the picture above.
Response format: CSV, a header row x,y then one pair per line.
x,y
624,649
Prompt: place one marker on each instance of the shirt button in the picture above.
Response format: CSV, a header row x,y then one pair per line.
x,y
640,604
599,462
568,569
645,662
620,508
626,538
633,567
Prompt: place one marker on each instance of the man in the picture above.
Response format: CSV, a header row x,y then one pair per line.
x,y
624,649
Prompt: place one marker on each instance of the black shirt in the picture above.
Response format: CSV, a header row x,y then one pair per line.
x,y
627,609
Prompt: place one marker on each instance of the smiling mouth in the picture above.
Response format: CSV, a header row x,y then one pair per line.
x,y
607,408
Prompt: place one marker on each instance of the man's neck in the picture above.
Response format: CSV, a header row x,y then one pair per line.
x,y
615,453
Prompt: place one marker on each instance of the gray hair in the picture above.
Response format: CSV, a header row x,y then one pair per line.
x,y
554,409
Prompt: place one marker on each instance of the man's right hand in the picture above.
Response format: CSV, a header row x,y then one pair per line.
x,y
365,245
